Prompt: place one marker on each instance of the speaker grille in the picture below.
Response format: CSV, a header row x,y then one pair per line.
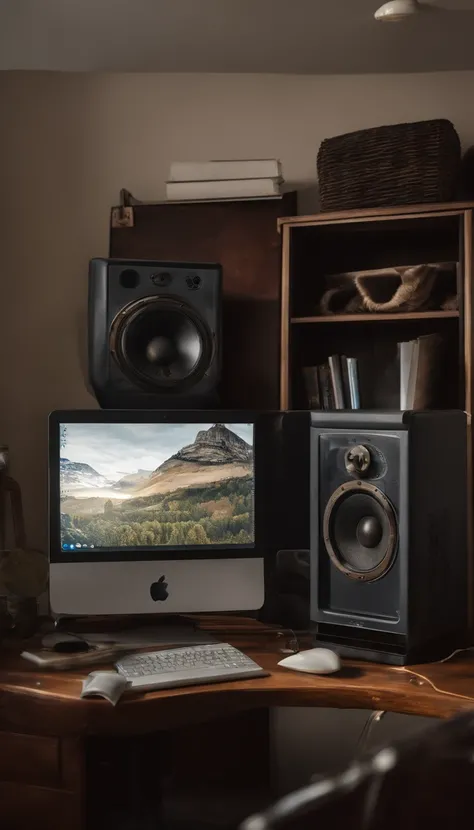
x,y
360,531
161,343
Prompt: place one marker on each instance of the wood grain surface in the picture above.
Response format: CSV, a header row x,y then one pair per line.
x,y
377,213
49,703
372,317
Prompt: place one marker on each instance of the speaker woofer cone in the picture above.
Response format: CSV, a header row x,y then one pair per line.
x,y
161,343
360,531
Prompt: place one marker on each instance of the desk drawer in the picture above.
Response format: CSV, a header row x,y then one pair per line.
x,y
23,807
29,759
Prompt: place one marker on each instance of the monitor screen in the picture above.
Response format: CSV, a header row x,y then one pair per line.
x,y
144,486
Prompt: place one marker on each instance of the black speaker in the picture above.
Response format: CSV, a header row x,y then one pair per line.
x,y
154,334
291,589
389,553
285,503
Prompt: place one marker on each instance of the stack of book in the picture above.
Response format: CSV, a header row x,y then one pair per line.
x,y
333,385
203,181
409,378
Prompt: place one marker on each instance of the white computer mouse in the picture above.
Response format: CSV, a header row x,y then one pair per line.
x,y
313,661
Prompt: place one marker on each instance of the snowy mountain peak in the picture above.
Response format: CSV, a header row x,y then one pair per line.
x,y
75,475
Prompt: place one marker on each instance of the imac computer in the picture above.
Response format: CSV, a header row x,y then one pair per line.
x,y
154,512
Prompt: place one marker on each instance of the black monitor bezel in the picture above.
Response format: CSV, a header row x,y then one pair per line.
x,y
58,417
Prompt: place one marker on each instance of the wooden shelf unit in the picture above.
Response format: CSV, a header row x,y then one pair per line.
x,y
331,243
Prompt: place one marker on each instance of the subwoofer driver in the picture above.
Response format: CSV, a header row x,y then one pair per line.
x,y
161,343
360,531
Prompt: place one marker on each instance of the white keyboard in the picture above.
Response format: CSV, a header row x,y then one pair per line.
x,y
189,666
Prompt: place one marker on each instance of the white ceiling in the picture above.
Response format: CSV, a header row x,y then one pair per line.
x,y
289,36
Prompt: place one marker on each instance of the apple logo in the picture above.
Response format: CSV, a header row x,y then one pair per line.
x,y
159,590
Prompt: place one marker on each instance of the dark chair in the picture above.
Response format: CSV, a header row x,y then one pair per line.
x,y
427,781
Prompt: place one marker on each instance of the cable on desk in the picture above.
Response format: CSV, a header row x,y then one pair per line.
x,y
430,682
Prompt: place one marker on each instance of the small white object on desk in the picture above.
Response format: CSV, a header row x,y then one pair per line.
x,y
313,661
107,684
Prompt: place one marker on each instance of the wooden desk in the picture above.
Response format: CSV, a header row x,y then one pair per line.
x,y
45,727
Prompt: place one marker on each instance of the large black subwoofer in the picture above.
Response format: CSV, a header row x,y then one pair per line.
x,y
389,564
154,334
360,531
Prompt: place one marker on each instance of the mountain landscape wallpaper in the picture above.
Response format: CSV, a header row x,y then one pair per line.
x,y
149,485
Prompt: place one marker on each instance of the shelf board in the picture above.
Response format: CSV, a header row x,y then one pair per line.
x,y
403,211
369,318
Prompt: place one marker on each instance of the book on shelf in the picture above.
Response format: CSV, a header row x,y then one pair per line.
x,y
353,375
336,381
225,170
326,389
223,189
419,363
409,378
346,386
333,385
405,355
310,374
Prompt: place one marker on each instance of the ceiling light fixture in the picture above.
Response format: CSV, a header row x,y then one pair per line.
x,y
397,10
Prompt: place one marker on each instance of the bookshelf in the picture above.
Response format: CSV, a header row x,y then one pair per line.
x,y
316,248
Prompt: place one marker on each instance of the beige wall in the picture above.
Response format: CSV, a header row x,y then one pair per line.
x,y
68,143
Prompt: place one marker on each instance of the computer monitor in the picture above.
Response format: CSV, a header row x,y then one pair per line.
x,y
153,512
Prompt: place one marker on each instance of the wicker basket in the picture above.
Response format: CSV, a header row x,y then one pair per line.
x,y
396,165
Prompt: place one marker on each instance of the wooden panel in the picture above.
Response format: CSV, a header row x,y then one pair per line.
x,y
31,759
468,309
23,807
124,781
370,318
243,238
375,213
358,219
468,264
72,755
231,753
284,325
194,751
